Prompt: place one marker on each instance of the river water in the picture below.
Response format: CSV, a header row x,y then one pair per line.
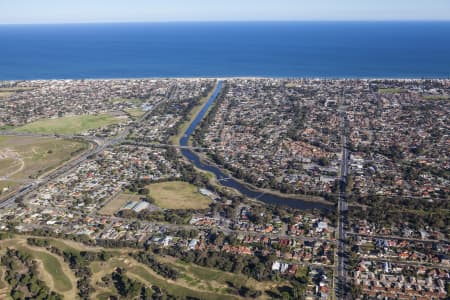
x,y
225,180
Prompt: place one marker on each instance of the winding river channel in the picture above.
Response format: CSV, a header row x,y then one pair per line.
x,y
225,179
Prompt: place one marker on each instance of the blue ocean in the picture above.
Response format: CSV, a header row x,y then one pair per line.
x,y
274,49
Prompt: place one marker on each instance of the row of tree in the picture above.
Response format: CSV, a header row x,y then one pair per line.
x,y
160,268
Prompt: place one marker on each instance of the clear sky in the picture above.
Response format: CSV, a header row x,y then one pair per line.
x,y
76,11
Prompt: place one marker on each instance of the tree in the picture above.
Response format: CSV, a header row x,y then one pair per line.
x,y
285,295
17,294
355,291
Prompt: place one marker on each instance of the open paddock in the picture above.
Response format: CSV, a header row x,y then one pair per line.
x,y
71,124
178,195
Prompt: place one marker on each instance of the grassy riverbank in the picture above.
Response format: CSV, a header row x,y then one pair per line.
x,y
192,115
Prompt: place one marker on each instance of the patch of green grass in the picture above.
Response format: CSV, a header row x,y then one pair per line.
x,y
63,246
174,289
77,248
6,127
208,275
129,192
178,195
15,90
136,271
390,91
96,267
135,113
437,97
105,296
204,273
70,125
134,101
53,267
117,203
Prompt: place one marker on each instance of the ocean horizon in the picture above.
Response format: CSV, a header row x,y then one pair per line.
x,y
337,49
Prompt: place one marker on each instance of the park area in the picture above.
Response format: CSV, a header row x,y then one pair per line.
x,y
178,195
23,159
71,124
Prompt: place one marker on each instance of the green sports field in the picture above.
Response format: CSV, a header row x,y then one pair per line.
x,y
178,195
70,125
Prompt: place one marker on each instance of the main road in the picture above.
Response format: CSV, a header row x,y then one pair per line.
x,y
342,213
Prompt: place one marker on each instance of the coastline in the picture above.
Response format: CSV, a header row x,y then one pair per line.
x,y
231,77
227,50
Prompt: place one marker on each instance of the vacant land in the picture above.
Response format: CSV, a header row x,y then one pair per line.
x,y
15,89
22,157
178,195
25,158
5,94
6,186
71,125
117,203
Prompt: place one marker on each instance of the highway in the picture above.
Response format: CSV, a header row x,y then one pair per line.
x,y
99,145
342,213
